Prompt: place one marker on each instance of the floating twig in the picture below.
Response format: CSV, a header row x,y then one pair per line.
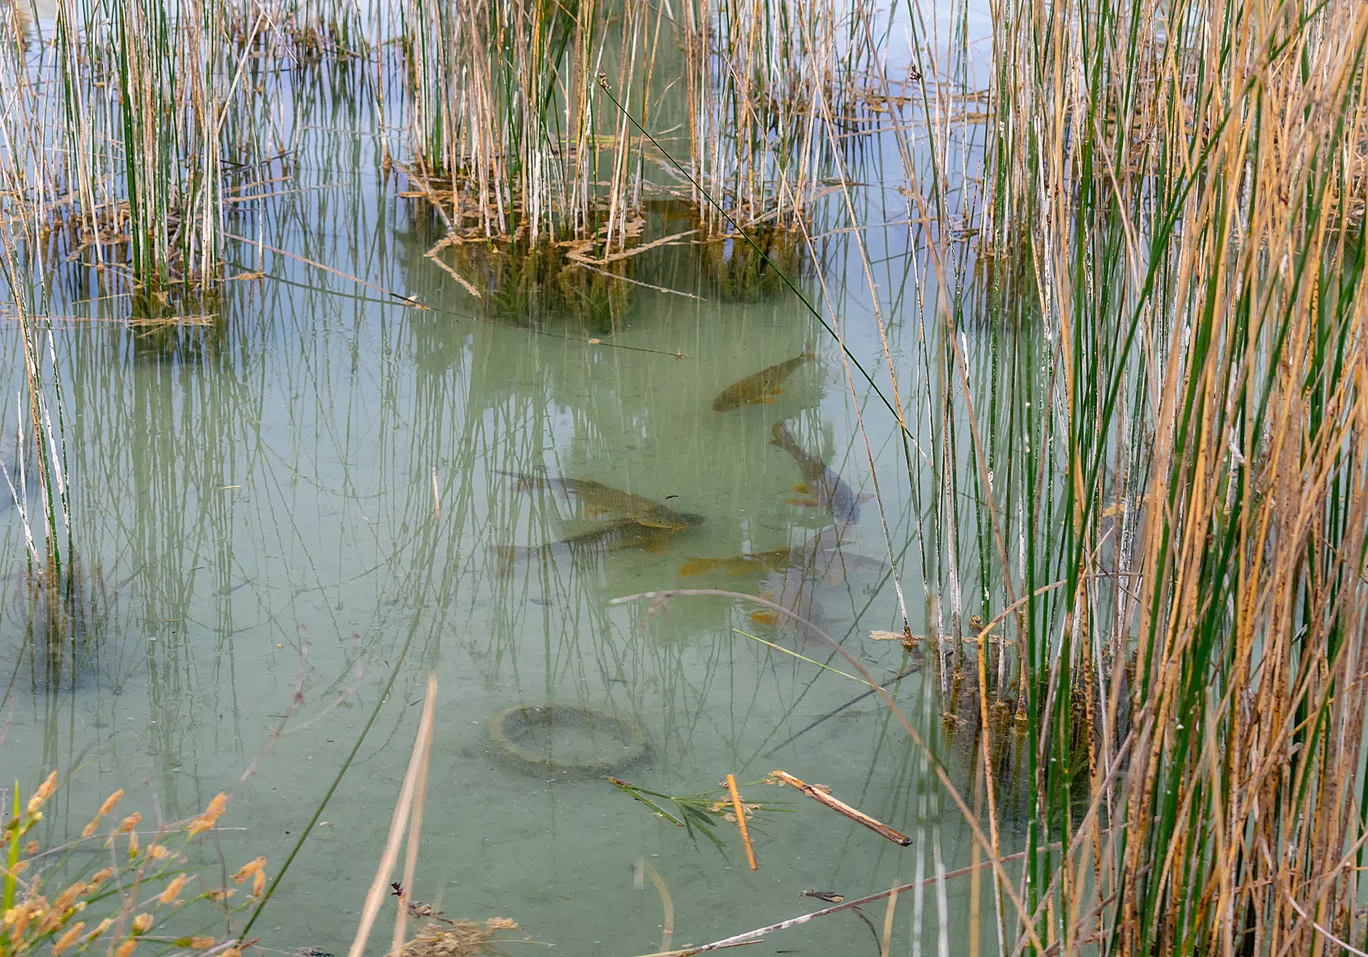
x,y
741,822
823,796
585,264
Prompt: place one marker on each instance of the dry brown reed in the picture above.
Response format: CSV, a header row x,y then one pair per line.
x,y
527,146
1178,185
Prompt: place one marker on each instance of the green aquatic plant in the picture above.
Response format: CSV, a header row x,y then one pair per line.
x,y
749,271
63,614
696,813
509,135
539,286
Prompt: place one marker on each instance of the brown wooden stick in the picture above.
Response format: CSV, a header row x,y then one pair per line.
x,y
824,797
740,810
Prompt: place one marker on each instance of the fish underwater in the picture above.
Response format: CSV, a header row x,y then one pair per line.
x,y
826,488
794,578
618,535
738,565
760,388
820,557
797,593
603,501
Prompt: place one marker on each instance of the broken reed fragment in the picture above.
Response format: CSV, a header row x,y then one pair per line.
x,y
822,796
741,821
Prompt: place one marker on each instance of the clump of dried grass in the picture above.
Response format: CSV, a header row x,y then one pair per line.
x,y
458,938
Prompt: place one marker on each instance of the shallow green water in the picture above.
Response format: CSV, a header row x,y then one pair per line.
x,y
308,495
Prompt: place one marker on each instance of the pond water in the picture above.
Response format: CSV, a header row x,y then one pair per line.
x,y
287,507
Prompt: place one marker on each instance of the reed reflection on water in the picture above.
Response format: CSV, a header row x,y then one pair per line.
x,y
321,486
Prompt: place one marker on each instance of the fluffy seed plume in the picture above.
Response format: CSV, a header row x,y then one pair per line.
x,y
210,816
172,889
69,938
43,793
248,869
105,808
100,928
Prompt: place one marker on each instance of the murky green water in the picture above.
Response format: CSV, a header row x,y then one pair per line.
x,y
308,494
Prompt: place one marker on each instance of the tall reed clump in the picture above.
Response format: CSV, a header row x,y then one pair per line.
x,y
1179,496
505,122
519,121
112,153
772,87
164,66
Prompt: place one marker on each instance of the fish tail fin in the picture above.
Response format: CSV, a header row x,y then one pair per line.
x,y
697,566
808,354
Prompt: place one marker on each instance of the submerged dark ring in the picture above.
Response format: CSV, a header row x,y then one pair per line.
x,y
505,726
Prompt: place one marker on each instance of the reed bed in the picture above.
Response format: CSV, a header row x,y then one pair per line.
x,y
136,127
113,153
1168,508
520,116
1149,587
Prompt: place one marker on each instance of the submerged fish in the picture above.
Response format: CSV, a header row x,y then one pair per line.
x,y
601,500
797,593
738,565
820,557
827,489
613,536
760,388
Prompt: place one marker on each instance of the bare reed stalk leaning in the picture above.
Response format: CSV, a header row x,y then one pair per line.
x,y
403,809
